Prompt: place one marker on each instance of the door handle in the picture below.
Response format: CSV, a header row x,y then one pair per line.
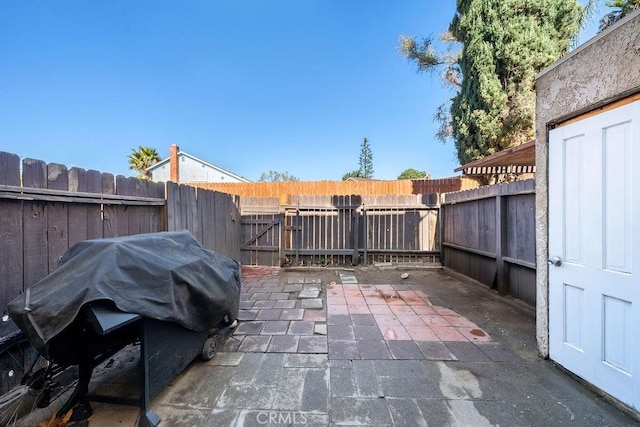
x,y
555,260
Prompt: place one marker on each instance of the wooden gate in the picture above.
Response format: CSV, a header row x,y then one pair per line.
x,y
340,230
262,239
323,235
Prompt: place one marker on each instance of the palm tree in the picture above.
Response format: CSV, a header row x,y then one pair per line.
x,y
142,159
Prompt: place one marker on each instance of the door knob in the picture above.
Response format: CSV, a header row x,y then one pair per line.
x,y
555,260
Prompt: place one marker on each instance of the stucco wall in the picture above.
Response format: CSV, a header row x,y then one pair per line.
x,y
604,69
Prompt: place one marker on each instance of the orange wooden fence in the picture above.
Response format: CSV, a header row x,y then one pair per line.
x,y
337,188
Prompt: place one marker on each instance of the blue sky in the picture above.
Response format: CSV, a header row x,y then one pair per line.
x,y
250,86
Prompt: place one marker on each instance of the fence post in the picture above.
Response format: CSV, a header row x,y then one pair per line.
x,y
296,229
440,223
355,226
366,234
502,283
281,238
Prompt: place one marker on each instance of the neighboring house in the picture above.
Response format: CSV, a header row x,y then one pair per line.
x,y
181,167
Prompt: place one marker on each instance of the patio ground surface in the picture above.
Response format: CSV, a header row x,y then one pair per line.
x,y
365,346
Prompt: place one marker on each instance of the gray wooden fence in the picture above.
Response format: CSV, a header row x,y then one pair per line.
x,y
489,235
47,208
339,230
212,217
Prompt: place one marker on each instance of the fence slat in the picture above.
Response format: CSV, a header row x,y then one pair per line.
x,y
123,188
9,169
189,210
11,261
57,215
219,212
139,214
110,220
206,218
36,262
78,219
94,212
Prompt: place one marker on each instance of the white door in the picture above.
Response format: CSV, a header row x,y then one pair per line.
x,y
594,231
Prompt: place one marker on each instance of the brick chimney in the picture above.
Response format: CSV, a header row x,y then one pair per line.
x,y
174,172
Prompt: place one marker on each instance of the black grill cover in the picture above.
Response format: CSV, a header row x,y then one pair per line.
x,y
166,276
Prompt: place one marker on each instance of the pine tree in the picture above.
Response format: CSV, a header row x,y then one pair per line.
x,y
366,160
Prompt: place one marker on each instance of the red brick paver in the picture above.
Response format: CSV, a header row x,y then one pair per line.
x,y
403,314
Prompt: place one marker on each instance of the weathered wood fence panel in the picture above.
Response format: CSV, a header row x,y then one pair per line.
x,y
212,217
11,260
489,235
46,208
340,230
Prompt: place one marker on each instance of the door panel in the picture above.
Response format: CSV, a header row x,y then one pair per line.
x,y
574,316
617,334
573,200
594,220
617,192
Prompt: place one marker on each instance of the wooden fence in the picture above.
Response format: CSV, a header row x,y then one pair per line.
x,y
489,235
282,190
339,230
47,208
212,217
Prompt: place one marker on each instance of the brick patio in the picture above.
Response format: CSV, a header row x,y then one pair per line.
x,y
354,321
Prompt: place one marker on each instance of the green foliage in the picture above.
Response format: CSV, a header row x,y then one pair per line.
x,y
354,174
365,163
412,173
366,160
273,176
142,159
421,52
504,44
622,9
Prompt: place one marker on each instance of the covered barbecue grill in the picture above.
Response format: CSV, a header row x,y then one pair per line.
x,y
163,290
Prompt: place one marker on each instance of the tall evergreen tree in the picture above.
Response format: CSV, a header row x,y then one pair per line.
x,y
142,159
504,44
366,160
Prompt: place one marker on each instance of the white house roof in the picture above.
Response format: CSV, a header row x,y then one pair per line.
x,y
207,164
